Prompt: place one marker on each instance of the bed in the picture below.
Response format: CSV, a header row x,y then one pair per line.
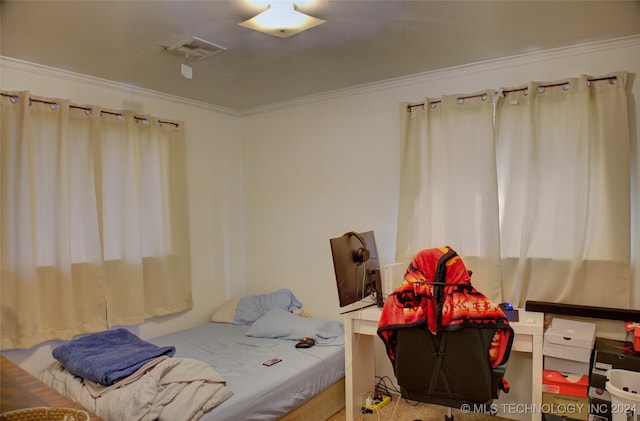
x,y
307,384
260,392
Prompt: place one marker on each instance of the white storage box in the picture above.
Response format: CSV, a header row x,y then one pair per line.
x,y
569,340
567,366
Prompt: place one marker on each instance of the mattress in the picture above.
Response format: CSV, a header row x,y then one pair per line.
x,y
259,392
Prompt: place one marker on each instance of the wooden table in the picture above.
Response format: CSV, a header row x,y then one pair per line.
x,y
19,390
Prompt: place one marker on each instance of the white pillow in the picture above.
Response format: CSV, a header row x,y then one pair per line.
x,y
226,312
281,324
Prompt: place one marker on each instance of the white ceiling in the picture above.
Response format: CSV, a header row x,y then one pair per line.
x,y
363,41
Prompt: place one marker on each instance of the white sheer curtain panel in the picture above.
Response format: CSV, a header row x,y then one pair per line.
x,y
448,191
93,218
564,177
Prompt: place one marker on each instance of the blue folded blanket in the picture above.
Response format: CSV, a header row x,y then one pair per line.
x,y
107,357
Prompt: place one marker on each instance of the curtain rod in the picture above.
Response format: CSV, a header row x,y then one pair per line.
x,y
437,101
78,107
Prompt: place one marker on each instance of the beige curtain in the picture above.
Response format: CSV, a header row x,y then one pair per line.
x,y
94,221
541,214
448,191
563,165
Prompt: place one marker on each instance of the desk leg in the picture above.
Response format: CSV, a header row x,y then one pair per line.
x,y
536,377
359,368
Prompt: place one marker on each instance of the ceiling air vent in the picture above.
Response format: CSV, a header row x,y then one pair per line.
x,y
197,48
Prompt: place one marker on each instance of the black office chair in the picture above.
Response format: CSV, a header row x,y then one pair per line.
x,y
450,368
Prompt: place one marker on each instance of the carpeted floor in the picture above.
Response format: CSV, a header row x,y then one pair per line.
x,y
404,410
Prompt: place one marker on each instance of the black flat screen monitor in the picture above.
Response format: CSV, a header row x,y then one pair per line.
x,y
357,269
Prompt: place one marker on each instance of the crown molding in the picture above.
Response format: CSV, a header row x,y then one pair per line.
x,y
38,69
463,70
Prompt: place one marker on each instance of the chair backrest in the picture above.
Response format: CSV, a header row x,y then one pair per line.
x,y
450,368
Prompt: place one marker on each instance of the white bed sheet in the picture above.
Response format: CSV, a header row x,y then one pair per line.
x,y
260,392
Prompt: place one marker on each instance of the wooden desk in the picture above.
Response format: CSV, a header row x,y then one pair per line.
x,y
360,328
19,389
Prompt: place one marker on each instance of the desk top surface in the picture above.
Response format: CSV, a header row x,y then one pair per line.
x,y
530,322
19,389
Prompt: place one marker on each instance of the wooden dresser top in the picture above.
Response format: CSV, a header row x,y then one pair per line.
x,y
19,389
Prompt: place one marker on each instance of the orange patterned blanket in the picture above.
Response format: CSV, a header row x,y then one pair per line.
x,y
449,303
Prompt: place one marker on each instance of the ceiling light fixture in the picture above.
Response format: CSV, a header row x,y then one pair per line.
x,y
281,19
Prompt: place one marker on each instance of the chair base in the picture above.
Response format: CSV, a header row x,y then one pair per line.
x,y
449,415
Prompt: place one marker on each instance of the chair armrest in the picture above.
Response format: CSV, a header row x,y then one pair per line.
x,y
497,374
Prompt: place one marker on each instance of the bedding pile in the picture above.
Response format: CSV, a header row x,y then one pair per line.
x,y
118,376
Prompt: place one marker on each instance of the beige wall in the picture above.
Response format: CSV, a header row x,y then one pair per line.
x,y
322,166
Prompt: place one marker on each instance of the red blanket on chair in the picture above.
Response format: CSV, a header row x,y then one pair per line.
x,y
442,307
